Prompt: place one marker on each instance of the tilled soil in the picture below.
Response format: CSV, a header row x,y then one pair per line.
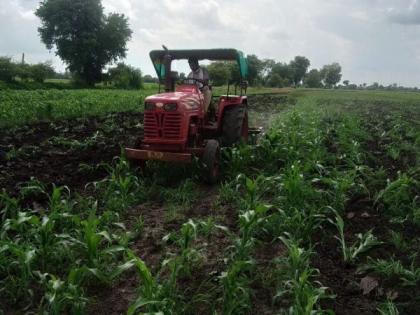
x,y
72,152
68,152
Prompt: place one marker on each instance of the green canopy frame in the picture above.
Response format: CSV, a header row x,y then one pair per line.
x,y
158,57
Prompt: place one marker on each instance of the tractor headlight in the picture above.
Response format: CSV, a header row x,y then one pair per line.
x,y
170,107
149,106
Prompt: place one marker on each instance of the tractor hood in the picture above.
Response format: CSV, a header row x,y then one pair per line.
x,y
184,100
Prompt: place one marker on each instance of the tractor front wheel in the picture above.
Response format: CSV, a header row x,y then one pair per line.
x,y
211,161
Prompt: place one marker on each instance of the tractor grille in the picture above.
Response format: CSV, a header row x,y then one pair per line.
x,y
162,125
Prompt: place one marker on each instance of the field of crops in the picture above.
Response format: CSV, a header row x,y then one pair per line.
x,y
321,216
18,107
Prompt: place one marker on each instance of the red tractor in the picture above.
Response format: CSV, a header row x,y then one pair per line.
x,y
176,126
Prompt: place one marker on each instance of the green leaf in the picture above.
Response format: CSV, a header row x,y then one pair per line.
x,y
122,268
106,235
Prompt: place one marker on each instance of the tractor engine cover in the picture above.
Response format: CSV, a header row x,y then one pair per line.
x,y
167,116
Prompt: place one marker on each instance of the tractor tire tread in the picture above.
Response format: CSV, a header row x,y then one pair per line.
x,y
211,159
232,123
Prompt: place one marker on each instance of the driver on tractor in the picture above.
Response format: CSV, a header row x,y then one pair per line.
x,y
202,76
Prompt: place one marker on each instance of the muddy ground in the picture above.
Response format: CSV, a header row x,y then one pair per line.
x,y
66,152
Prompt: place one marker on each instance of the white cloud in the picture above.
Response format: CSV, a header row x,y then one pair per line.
x,y
374,40
406,15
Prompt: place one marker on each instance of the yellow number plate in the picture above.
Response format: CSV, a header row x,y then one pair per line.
x,y
155,155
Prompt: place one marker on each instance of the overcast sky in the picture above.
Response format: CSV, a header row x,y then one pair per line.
x,y
373,40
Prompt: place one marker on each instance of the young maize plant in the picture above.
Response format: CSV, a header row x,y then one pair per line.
x,y
150,292
121,189
60,249
388,308
236,279
364,243
392,268
162,295
66,295
295,282
400,198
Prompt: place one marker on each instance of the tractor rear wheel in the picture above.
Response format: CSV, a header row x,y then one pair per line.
x,y
234,125
211,161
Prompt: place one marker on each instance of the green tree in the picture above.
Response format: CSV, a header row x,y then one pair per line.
x,y
219,72
313,79
85,38
283,70
41,71
125,77
235,74
223,72
149,79
275,80
255,68
298,67
267,67
374,86
331,74
280,75
8,69
24,71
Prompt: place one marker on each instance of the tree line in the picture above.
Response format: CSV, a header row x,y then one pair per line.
x,y
376,87
10,71
121,76
268,72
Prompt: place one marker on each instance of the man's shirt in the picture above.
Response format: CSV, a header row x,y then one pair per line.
x,y
199,74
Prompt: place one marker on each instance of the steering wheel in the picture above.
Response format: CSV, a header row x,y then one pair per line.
x,y
192,81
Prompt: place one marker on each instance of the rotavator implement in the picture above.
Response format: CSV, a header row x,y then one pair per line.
x,y
176,126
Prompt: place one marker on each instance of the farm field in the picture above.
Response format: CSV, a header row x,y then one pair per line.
x,y
322,215
29,106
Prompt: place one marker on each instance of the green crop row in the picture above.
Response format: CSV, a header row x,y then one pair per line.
x,y
20,107
312,163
